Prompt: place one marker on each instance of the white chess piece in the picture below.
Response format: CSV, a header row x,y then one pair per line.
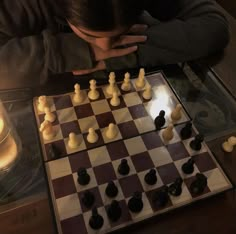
x,y
147,93
111,88
92,136
140,81
176,113
42,103
78,96
93,94
228,145
232,140
126,85
167,133
49,115
111,131
73,141
115,100
47,130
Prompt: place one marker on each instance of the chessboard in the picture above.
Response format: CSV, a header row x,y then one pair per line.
x,y
113,183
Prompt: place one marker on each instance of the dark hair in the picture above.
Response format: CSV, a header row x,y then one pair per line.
x,y
102,15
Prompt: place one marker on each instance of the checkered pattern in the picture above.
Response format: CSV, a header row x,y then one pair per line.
x,y
143,153
134,115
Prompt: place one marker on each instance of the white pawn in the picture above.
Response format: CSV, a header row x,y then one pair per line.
x,y
176,113
78,97
92,136
93,94
115,100
140,81
232,140
111,131
47,130
73,141
147,93
42,103
49,116
167,133
111,88
126,85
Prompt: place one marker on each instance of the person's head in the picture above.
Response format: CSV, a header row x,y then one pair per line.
x,y
103,19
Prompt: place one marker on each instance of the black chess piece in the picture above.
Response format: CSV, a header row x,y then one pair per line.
x,y
161,197
53,151
151,178
111,189
83,176
186,131
175,188
199,184
88,199
135,203
123,168
160,120
114,211
188,167
196,143
96,220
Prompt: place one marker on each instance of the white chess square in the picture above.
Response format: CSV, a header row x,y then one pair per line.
x,y
100,107
99,156
58,134
191,151
88,122
66,115
135,145
122,115
144,124
132,99
106,139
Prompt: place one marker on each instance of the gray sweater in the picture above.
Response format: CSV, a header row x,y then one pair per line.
x,y
35,41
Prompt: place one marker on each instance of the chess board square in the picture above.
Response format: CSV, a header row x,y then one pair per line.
x,y
175,138
62,102
108,140
105,119
98,156
117,150
56,149
66,115
79,160
152,140
144,124
190,150
98,143
122,115
104,173
132,99
128,129
83,111
80,147
204,162
101,95
156,80
88,122
97,202
168,173
137,111
184,197
58,135
142,161
68,206
63,186
84,98
130,184
135,145
67,128
100,107
177,151
73,224
121,105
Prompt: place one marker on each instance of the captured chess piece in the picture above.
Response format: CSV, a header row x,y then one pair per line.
x,y
147,93
199,184
96,221
49,116
111,190
88,199
188,167
228,146
123,168
175,188
167,133
114,211
111,131
151,177
135,203
160,197
83,176
196,143
93,94
92,136
126,85
176,113
73,141
160,120
186,131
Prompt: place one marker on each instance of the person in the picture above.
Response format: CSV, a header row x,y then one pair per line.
x,y
39,38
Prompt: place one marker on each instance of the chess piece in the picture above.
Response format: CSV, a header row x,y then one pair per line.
x,y
135,203
126,85
92,136
111,131
199,184
88,199
151,178
167,133
188,167
111,88
111,189
147,93
53,151
42,103
176,113
73,141
160,197
83,176
140,81
160,120
96,220
228,145
115,100
186,131
93,94
49,116
47,130
114,211
196,143
175,188
78,97
123,168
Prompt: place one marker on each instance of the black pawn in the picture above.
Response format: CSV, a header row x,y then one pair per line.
x,y
151,178
160,120
111,189
188,167
135,203
186,131
88,199
83,176
53,151
199,184
123,168
175,189
196,143
160,197
114,211
96,220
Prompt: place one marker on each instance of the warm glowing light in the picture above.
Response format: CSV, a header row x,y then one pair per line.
x,y
1,125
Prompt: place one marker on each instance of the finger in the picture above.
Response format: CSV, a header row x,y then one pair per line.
x,y
126,40
122,52
81,72
138,28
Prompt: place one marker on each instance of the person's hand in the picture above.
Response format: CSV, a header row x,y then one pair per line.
x,y
99,66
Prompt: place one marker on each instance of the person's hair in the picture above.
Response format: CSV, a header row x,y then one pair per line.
x,y
102,15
